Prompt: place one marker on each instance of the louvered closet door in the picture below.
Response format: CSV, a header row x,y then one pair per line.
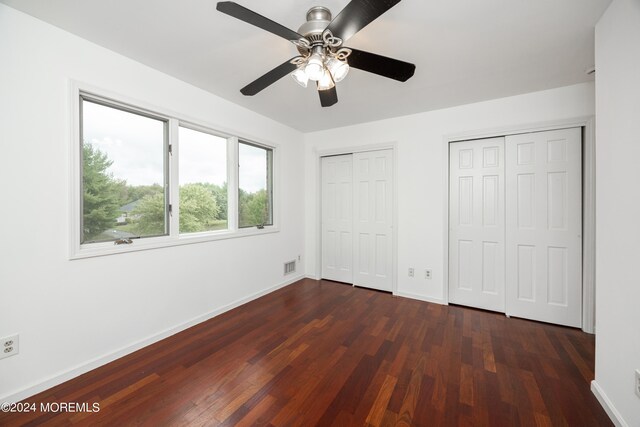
x,y
544,226
476,224
373,219
337,218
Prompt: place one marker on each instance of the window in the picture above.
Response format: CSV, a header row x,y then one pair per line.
x,y
148,179
254,185
203,181
123,173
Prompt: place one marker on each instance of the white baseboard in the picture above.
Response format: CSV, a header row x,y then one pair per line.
x,y
54,380
314,277
421,297
607,405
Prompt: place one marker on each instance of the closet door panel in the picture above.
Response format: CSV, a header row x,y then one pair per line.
x,y
373,219
544,226
337,218
476,224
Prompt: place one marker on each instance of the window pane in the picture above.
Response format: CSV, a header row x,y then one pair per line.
x,y
123,178
203,181
255,183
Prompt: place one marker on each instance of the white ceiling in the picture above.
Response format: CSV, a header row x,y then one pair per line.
x,y
464,50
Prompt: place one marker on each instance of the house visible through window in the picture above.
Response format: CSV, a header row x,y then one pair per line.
x,y
123,174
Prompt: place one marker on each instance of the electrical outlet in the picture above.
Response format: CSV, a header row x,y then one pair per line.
x,y
411,272
638,382
9,346
427,274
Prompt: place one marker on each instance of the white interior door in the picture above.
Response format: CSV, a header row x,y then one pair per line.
x,y
544,226
373,219
476,223
337,218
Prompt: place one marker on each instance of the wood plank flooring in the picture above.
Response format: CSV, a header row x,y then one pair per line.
x,y
324,353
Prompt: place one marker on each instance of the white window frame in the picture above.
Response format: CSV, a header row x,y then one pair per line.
x,y
175,120
175,182
270,190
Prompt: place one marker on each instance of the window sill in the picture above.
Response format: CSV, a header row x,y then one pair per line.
x,y
108,248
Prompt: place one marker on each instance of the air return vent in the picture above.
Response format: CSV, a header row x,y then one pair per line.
x,y
289,267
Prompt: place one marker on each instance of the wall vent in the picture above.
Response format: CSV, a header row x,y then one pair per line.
x,y
289,267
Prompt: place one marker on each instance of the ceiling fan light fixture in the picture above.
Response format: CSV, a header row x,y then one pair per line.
x,y
339,69
314,70
315,64
326,81
300,76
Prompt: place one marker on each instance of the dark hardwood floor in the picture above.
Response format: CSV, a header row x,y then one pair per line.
x,y
323,353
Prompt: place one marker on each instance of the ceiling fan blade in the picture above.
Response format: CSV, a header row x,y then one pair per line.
x,y
328,97
269,78
381,65
357,15
251,17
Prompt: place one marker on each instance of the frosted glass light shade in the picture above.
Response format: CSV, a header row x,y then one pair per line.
x,y
339,69
315,67
300,77
326,81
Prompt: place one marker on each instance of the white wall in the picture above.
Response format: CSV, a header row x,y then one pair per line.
x,y
618,207
69,313
421,178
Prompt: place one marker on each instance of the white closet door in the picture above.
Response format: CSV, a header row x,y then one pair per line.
x,y
337,218
544,226
373,221
476,222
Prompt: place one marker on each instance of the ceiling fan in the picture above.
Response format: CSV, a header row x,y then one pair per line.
x,y
323,59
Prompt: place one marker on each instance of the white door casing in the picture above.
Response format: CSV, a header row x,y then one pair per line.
x,y
476,224
337,218
373,219
544,226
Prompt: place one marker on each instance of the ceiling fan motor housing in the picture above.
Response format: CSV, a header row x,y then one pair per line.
x,y
318,18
